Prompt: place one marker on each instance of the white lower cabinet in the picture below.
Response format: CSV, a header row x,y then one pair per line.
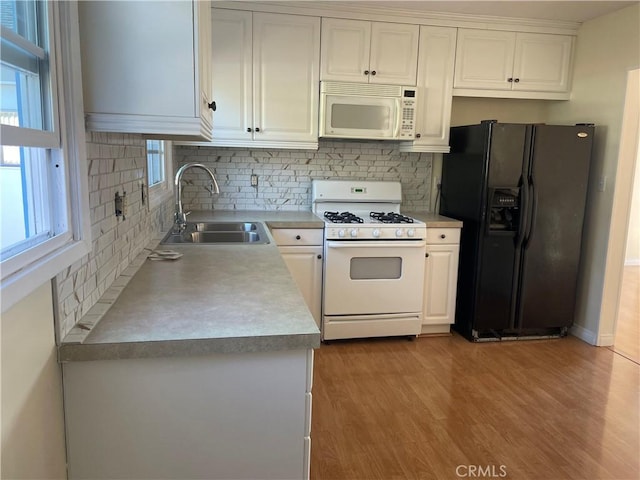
x,y
301,250
440,279
214,416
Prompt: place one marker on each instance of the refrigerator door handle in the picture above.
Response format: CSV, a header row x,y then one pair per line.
x,y
534,210
524,208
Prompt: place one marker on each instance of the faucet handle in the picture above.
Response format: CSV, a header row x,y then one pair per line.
x,y
187,213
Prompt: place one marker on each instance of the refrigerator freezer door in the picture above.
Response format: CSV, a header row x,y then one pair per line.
x,y
499,253
559,172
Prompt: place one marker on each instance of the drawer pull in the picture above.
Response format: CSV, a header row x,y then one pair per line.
x,y
443,236
298,237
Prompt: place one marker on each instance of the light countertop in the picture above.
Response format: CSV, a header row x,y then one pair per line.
x,y
433,220
215,298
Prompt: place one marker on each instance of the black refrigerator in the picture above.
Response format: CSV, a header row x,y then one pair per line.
x,y
520,191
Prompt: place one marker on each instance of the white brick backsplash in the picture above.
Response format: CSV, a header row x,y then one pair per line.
x,y
284,176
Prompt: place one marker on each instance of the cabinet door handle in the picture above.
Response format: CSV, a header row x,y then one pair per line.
x,y
366,72
257,129
509,79
298,237
426,255
517,80
249,130
373,72
212,106
443,236
418,135
319,257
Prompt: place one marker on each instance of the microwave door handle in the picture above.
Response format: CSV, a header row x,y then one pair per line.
x,y
396,128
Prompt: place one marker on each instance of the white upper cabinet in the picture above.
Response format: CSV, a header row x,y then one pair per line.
x,y
265,71
512,64
369,52
435,84
542,62
232,71
138,79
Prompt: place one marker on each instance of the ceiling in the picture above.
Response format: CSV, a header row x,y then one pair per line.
x,y
571,11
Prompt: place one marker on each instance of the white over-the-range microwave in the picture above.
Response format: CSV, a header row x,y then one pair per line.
x,y
367,111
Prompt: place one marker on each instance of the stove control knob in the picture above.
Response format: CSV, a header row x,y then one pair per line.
x,y
341,232
375,233
411,232
399,232
354,232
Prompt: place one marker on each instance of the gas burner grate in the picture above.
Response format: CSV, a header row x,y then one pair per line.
x,y
390,217
344,217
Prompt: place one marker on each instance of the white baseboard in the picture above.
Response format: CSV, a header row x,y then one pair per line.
x,y
631,261
606,340
584,334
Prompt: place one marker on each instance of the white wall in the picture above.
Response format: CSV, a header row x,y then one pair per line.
x,y
33,442
608,47
632,254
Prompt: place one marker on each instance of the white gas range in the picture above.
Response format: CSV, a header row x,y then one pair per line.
x,y
374,260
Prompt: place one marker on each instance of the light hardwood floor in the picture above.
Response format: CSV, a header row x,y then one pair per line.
x,y
627,341
436,407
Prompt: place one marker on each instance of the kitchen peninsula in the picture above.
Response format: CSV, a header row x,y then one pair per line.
x,y
201,368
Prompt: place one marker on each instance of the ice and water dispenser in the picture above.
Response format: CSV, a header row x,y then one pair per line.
x,y
504,204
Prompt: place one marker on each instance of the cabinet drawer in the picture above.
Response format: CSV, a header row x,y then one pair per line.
x,y
298,236
443,235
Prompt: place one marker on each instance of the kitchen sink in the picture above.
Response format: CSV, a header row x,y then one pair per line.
x,y
219,233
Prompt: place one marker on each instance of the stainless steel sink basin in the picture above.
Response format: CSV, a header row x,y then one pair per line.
x,y
219,233
225,227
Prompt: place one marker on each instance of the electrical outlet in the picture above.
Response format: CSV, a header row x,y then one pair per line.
x,y
121,205
254,180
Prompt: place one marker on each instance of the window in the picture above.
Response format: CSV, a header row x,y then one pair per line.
x,y
159,167
44,222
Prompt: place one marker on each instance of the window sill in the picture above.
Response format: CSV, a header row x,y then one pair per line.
x,y
25,281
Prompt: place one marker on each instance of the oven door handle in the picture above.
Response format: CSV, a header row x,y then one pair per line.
x,y
377,244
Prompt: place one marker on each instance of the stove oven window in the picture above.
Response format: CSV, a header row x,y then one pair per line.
x,y
376,268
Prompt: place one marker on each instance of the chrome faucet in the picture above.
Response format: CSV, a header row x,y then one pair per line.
x,y
180,218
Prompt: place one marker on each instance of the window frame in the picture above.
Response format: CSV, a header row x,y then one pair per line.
x,y
28,270
161,191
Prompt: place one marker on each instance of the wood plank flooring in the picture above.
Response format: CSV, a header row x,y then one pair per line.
x,y
627,341
443,408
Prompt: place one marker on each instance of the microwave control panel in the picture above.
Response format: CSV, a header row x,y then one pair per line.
x,y
408,118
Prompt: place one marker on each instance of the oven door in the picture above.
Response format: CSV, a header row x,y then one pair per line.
x,y
374,277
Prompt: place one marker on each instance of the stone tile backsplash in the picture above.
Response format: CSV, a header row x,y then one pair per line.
x,y
117,163
284,176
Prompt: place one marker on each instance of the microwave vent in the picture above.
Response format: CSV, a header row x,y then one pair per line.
x,y
360,89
